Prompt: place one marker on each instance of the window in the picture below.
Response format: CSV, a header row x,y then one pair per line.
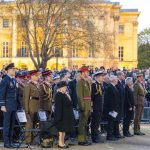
x,y
74,52
57,52
5,23
121,28
23,50
23,23
90,52
5,49
120,53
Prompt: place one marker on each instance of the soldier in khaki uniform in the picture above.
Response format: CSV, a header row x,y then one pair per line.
x,y
32,101
84,99
139,94
21,81
46,92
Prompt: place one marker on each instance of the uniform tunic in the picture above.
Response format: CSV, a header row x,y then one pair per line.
x,y
8,98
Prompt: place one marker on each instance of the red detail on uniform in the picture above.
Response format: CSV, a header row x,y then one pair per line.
x,y
46,73
33,73
22,77
84,69
88,98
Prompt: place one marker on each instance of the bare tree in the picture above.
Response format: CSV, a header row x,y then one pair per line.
x,y
52,25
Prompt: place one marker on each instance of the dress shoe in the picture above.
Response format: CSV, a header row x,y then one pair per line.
x,y
111,138
139,133
63,147
10,146
142,133
86,143
95,140
128,135
119,136
89,142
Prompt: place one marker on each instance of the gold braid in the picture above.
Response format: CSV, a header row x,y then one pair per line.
x,y
98,89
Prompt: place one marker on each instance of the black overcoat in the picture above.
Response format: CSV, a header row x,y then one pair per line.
x,y
63,114
121,90
111,100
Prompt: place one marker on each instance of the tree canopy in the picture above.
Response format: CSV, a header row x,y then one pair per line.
x,y
144,48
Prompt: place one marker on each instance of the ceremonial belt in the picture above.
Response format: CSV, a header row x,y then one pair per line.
x,y
36,98
87,98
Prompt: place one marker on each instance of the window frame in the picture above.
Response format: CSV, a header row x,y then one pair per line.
x,y
121,53
5,49
5,23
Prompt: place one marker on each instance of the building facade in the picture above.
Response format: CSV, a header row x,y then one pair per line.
x,y
122,22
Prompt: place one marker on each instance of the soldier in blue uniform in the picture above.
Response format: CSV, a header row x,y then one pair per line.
x,y
8,104
97,99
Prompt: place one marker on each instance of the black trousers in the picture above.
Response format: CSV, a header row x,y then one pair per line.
x,y
110,126
116,128
129,115
95,124
8,126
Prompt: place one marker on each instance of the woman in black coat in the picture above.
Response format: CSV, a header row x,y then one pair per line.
x,y
128,106
63,114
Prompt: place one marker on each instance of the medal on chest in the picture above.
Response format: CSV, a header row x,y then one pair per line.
x,y
11,85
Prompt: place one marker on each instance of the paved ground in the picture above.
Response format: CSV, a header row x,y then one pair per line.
x,y
134,143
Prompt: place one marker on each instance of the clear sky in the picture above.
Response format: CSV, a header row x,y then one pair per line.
x,y
144,8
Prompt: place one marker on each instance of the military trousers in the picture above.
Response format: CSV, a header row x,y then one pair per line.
x,y
138,115
30,125
82,129
8,126
95,124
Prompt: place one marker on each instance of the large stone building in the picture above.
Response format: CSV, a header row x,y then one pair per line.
x,y
124,23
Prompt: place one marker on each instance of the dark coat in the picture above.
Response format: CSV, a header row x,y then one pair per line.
x,y
63,114
73,93
128,103
111,99
8,93
129,98
105,85
121,90
96,96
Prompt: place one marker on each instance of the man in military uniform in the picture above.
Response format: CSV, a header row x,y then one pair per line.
x,y
46,92
139,94
32,101
8,104
84,100
20,86
97,99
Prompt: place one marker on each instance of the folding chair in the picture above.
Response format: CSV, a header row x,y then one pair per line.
x,y
22,120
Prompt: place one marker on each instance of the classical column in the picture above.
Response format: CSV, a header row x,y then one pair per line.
x,y
135,41
14,35
116,36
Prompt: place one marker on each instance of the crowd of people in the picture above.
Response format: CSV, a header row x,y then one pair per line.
x,y
78,100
